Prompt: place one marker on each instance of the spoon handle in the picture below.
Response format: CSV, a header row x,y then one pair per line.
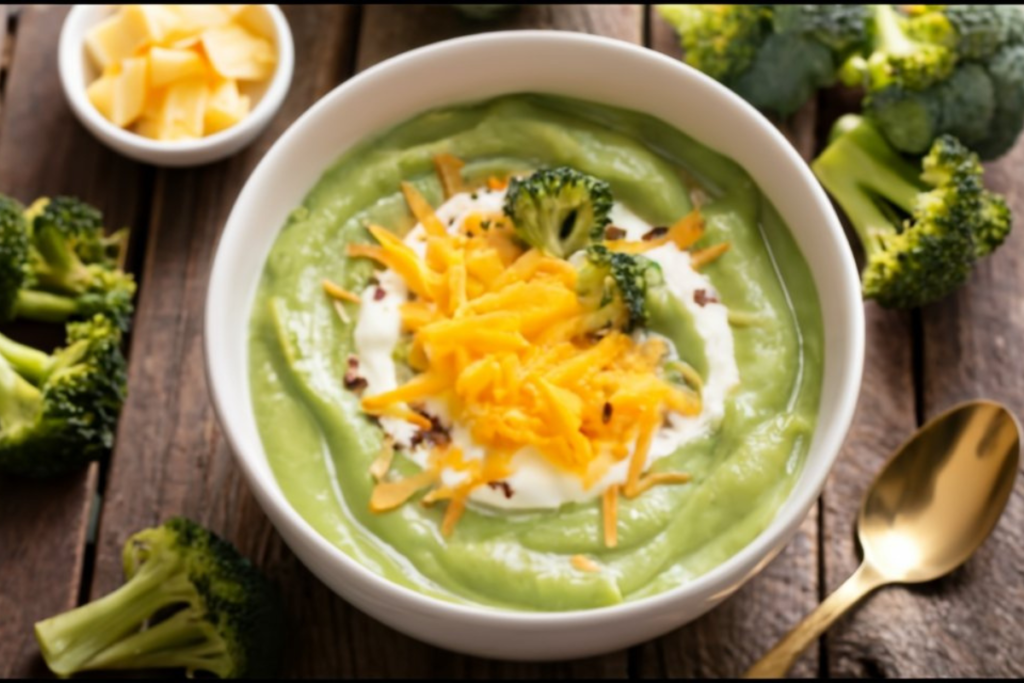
x,y
780,658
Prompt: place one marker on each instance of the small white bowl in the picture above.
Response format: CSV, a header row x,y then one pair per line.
x,y
77,72
475,68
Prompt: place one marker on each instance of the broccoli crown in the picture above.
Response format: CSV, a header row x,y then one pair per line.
x,y
559,210
787,72
226,620
838,27
774,56
59,412
720,40
71,217
975,94
974,31
898,59
13,255
923,228
619,283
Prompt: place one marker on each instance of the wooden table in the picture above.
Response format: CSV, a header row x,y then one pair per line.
x,y
60,540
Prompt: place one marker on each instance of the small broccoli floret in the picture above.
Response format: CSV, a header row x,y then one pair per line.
x,y
1006,69
922,229
787,72
13,255
59,412
617,285
898,59
774,56
973,31
838,27
73,268
190,601
720,40
558,210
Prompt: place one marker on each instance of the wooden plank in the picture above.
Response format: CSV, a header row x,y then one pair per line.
x,y
967,624
43,150
172,457
730,638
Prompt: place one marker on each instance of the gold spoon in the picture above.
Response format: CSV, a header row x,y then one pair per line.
x,y
937,499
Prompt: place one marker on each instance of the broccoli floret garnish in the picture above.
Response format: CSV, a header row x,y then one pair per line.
x,y
190,601
13,255
618,285
70,268
774,56
922,229
59,411
1006,69
558,210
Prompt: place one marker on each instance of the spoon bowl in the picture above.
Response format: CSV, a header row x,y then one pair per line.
x,y
936,500
941,494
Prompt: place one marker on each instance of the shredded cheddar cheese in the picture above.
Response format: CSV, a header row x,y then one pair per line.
x,y
585,564
500,335
335,291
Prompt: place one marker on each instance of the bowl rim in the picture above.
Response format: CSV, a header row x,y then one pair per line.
x,y
717,582
72,56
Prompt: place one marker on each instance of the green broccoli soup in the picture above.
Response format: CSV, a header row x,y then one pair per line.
x,y
536,353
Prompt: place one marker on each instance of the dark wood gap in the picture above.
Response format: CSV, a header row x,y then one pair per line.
x,y
917,359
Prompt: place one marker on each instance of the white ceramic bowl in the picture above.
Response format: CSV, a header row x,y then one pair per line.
x,y
77,72
474,68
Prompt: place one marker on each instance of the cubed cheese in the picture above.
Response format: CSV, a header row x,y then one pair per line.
x,y
236,53
184,109
101,94
129,92
167,66
225,107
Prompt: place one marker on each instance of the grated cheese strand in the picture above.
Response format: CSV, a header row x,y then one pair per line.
x,y
610,515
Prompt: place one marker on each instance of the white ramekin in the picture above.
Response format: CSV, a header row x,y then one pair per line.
x,y
474,68
77,71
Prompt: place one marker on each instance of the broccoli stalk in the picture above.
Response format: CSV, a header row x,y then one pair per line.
x,y
61,410
922,229
227,619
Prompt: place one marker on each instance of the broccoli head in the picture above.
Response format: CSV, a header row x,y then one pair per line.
x,y
617,286
13,255
973,31
774,56
71,268
59,411
190,601
558,210
838,27
922,229
720,40
975,92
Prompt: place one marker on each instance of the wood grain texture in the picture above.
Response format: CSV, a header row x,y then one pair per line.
x,y
391,29
171,457
44,151
733,636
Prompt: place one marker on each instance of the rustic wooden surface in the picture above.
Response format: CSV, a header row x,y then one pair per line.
x,y
171,457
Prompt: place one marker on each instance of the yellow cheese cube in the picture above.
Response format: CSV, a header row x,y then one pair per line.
x,y
236,53
129,94
101,94
198,18
184,108
225,107
153,21
113,39
167,66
